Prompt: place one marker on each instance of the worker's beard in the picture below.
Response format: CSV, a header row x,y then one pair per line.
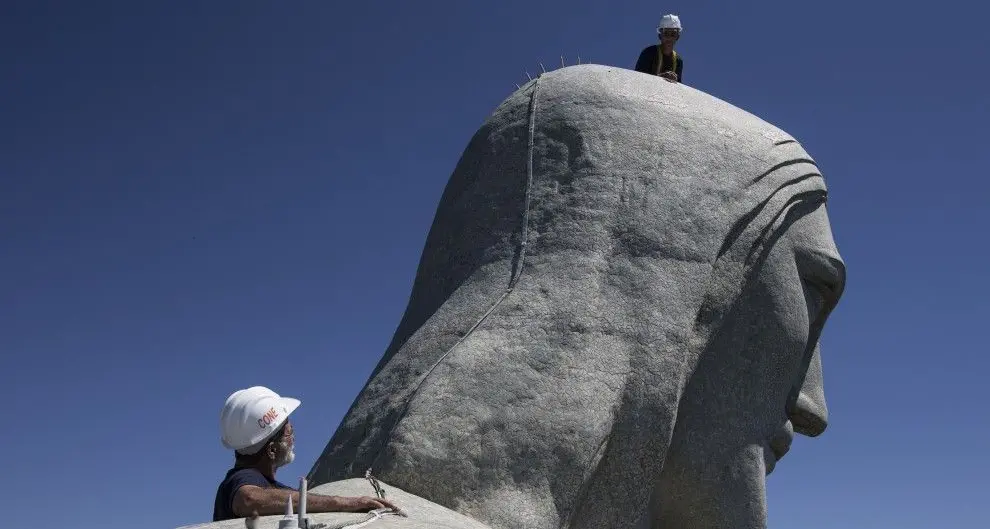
x,y
286,454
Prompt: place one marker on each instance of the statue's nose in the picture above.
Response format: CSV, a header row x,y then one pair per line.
x,y
808,412
808,417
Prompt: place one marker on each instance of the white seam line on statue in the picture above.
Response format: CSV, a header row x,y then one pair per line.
x,y
513,278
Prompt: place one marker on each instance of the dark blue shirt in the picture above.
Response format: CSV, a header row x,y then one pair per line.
x,y
223,508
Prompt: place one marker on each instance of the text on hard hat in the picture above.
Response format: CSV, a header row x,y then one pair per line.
x,y
268,418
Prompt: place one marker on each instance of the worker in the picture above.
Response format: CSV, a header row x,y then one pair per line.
x,y
255,424
661,59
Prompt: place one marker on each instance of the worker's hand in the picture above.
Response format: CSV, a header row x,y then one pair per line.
x,y
670,76
368,503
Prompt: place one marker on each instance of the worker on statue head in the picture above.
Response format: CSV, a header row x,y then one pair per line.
x,y
255,424
661,59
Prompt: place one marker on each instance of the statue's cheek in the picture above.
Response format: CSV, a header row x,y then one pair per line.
x,y
786,305
815,300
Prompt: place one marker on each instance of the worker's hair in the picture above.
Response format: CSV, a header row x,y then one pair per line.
x,y
251,459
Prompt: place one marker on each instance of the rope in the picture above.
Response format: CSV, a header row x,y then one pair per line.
x,y
673,56
341,525
373,516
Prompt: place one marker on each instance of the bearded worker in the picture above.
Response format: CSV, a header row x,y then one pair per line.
x,y
255,424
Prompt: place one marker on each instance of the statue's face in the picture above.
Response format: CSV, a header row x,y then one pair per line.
x,y
795,290
758,383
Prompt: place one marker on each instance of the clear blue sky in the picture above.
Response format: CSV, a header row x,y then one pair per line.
x,y
199,197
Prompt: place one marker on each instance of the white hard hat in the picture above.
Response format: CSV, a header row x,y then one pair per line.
x,y
251,416
669,22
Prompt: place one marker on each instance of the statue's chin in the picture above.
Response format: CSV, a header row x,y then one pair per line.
x,y
778,446
707,493
769,459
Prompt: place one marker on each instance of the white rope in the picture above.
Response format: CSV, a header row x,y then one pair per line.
x,y
374,516
378,516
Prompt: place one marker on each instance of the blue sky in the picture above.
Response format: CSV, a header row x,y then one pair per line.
x,y
199,197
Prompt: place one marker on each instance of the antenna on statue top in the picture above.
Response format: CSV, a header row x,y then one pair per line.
x,y
543,69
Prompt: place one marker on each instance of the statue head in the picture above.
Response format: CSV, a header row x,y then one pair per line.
x,y
615,318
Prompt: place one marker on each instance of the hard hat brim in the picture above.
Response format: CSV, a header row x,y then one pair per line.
x,y
290,405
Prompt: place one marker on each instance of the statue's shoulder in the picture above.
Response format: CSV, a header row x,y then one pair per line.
x,y
420,513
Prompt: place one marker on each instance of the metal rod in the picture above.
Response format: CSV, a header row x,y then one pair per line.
x,y
302,503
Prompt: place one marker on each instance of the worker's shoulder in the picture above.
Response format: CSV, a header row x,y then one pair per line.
x,y
651,49
246,476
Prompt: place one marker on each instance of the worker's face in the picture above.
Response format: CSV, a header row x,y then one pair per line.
x,y
669,36
285,448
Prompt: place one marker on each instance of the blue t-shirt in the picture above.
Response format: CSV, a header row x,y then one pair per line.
x,y
223,508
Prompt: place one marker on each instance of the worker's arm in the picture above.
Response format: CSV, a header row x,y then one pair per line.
x,y
680,69
251,499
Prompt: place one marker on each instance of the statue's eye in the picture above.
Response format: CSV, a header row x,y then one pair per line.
x,y
823,287
817,295
825,274
822,278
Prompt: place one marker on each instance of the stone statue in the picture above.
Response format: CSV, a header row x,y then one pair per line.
x,y
615,319
614,323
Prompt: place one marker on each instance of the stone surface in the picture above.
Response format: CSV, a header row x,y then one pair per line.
x,y
614,323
